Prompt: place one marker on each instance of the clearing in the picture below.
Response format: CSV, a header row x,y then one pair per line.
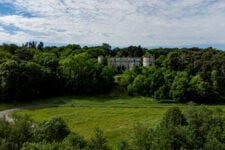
x,y
116,116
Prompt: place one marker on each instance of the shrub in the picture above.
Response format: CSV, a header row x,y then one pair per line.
x,y
98,142
53,130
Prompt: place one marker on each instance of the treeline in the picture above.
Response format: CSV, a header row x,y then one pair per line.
x,y
180,74
30,72
196,128
33,71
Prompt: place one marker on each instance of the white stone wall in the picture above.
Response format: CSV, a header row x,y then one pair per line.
x,y
100,59
129,62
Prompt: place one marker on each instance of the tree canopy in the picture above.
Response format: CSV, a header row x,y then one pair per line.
x,y
33,71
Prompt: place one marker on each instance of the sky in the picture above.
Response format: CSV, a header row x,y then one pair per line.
x,y
149,23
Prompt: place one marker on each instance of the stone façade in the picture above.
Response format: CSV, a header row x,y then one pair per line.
x,y
124,63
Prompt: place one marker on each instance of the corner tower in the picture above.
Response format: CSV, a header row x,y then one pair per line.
x,y
100,59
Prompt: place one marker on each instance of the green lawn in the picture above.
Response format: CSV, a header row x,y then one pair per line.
x,y
115,116
6,106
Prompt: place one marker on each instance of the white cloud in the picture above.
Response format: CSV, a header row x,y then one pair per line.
x,y
2,29
118,22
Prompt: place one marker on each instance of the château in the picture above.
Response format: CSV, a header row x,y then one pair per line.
x,y
124,63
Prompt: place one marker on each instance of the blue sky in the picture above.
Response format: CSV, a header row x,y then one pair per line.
x,y
150,23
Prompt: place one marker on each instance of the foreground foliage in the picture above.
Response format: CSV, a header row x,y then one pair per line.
x,y
201,128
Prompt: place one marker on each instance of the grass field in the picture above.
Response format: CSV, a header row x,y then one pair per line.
x,y
115,116
6,106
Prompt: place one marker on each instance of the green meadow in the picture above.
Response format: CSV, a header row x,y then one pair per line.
x,y
116,116
6,106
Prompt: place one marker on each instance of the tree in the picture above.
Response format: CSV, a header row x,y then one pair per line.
x,y
163,91
23,54
140,85
4,55
21,131
11,48
74,141
171,132
53,130
42,146
142,137
30,44
49,60
31,74
83,75
200,89
179,90
98,142
173,138
9,77
106,79
205,127
40,46
78,71
173,118
5,128
107,48
123,145
172,61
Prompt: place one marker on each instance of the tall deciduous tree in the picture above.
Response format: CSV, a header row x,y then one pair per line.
x,y
179,89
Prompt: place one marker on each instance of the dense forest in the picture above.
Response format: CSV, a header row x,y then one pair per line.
x,y
34,71
198,128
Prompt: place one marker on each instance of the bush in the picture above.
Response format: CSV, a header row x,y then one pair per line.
x,y
142,137
42,146
21,131
74,141
173,118
98,142
123,145
53,130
